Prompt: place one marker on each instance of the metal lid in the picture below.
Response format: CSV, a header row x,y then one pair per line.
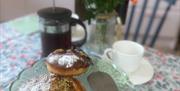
x,y
55,13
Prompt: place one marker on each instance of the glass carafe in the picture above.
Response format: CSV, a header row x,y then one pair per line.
x,y
55,25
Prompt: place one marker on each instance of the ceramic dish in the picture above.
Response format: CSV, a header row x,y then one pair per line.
x,y
39,68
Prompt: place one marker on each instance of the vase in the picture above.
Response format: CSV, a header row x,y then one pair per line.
x,y
106,32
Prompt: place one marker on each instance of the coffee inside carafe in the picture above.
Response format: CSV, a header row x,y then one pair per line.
x,y
51,42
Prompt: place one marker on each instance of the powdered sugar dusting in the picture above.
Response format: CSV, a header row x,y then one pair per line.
x,y
40,83
52,58
66,60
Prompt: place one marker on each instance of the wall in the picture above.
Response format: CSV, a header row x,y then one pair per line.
x,y
10,9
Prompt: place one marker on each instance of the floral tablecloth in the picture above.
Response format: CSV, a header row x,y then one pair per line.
x,y
19,50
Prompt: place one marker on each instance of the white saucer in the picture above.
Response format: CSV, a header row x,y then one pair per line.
x,y
143,74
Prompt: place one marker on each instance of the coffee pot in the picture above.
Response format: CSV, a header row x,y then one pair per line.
x,y
55,26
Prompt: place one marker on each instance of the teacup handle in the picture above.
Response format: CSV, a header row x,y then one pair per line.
x,y
108,53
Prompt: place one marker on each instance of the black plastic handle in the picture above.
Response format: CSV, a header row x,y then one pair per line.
x,y
79,43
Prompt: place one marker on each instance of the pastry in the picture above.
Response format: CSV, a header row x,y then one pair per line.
x,y
63,65
59,83
71,62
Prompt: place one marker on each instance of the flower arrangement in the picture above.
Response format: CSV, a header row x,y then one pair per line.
x,y
103,11
95,7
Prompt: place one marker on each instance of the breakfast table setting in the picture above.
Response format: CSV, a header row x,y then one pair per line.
x,y
20,49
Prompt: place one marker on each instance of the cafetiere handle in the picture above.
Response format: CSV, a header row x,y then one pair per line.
x,y
79,43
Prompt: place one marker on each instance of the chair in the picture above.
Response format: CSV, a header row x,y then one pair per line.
x,y
150,22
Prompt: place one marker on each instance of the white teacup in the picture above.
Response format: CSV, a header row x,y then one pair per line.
x,y
125,55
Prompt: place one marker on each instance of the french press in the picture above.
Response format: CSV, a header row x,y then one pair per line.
x,y
55,25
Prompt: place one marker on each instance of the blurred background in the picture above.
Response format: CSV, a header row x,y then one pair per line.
x,y
169,36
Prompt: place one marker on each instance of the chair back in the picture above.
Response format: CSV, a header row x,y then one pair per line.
x,y
150,22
